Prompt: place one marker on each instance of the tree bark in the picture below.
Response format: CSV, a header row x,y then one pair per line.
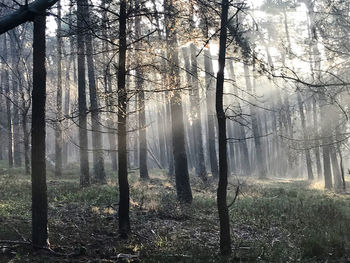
x,y
15,84
209,83
183,188
261,167
310,174
124,202
98,160
58,128
39,188
6,83
225,235
83,137
23,14
141,99
201,169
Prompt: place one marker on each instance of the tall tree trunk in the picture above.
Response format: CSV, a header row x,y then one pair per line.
x,y
310,174
161,132
6,84
201,169
335,168
26,139
124,202
108,93
261,167
16,122
209,83
70,66
2,122
58,128
183,188
317,148
83,137
189,112
169,138
99,169
141,97
225,235
327,173
39,188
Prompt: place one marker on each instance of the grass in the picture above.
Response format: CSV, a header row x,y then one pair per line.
x,y
271,221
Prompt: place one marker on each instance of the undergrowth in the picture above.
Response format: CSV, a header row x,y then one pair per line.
x,y
271,221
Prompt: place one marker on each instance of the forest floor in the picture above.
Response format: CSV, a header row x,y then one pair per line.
x,y
273,220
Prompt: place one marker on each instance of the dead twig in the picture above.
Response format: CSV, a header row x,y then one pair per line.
x,y
234,199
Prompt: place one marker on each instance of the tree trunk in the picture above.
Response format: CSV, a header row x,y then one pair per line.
x,y
317,148
225,235
83,137
6,84
108,93
197,124
183,188
310,174
141,97
261,167
327,173
209,83
161,132
16,122
58,128
39,190
124,203
99,169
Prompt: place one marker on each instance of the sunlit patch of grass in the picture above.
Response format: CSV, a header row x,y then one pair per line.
x,y
317,185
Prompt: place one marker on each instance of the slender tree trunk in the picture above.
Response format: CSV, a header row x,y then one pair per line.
x,y
183,188
317,148
169,138
108,92
327,173
58,128
310,174
99,170
141,97
83,137
161,132
335,168
39,190
2,122
257,140
209,83
6,84
201,169
225,235
26,140
124,202
190,110
16,122
67,101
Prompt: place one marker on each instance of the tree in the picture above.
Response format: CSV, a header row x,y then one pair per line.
x,y
39,190
6,83
225,236
124,197
141,99
83,137
25,13
99,170
183,188
58,128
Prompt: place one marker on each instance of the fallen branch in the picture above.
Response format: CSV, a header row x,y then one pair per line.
x,y
234,199
46,249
